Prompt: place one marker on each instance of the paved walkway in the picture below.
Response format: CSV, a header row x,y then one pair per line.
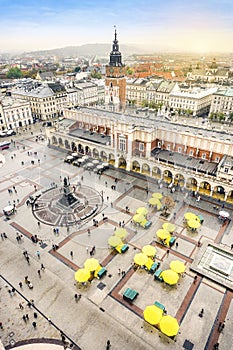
x,y
102,313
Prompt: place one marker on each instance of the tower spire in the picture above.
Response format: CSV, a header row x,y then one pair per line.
x,y
115,55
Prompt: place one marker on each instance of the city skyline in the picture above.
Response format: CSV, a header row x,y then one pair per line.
x,y
203,26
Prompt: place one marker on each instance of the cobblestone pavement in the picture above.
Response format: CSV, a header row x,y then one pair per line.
x,y
102,313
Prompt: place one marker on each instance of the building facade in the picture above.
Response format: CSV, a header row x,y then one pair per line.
x,y
222,101
14,113
170,154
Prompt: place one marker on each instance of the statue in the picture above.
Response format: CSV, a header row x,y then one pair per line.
x,y
65,182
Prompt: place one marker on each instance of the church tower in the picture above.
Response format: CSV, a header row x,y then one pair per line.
x,y
115,82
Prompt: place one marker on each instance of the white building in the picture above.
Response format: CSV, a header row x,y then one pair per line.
x,y
14,113
222,100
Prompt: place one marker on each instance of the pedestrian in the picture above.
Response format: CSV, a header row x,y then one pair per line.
x,y
38,271
38,223
232,247
168,252
216,346
87,249
195,279
108,345
38,254
201,313
35,315
27,317
42,267
71,254
107,198
88,232
28,259
177,245
34,324
20,284
222,327
4,235
24,318
21,306
119,271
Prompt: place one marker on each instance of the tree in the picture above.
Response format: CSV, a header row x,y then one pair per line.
x,y
145,103
14,73
230,118
129,71
96,75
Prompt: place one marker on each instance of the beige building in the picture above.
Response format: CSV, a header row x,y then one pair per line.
x,y
222,100
14,113
46,101
198,101
168,152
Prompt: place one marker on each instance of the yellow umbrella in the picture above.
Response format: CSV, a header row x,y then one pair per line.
x,y
169,325
190,216
154,201
142,210
169,227
162,234
121,232
91,264
114,241
140,259
177,266
153,314
82,275
138,218
149,250
194,223
157,195
170,277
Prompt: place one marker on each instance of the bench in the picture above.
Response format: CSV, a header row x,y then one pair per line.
x,y
172,241
124,248
157,275
154,267
130,295
101,273
159,305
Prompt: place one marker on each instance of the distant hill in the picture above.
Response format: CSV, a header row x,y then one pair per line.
x,y
86,50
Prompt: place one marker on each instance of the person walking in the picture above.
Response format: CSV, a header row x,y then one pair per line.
x,y
42,267
108,345
38,254
71,254
38,271
34,324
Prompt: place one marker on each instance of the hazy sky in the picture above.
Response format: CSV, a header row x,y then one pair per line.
x,y
196,25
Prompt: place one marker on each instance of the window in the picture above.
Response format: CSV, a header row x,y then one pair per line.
x,y
217,159
168,147
226,170
122,144
191,153
203,156
159,144
179,149
141,146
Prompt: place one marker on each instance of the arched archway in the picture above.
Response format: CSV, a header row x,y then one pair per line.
x,y
54,140
179,180
95,153
230,197
205,188
136,166
167,176
156,172
87,150
111,159
103,156
145,169
67,144
191,184
219,192
80,148
60,141
73,147
122,163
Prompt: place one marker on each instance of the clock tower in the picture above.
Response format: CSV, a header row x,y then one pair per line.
x,y
115,82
